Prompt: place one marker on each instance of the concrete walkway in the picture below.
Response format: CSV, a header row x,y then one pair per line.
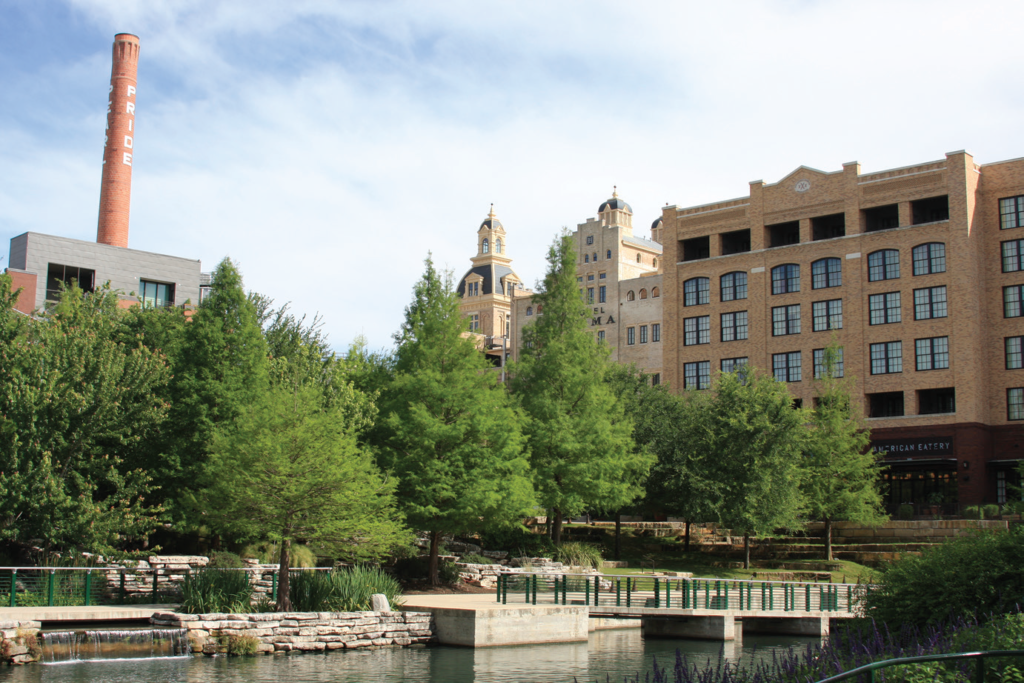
x,y
80,613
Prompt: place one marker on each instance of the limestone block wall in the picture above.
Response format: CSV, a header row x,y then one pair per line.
x,y
169,572
303,631
19,642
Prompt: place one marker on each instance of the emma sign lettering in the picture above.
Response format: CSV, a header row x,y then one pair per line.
x,y
933,445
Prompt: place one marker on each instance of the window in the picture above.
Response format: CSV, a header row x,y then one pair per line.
x,y
1011,212
57,274
654,262
586,258
540,308
590,295
697,330
602,276
643,293
656,332
786,366
883,265
472,289
1014,355
929,258
828,227
886,404
630,296
655,379
932,354
655,293
602,294
608,255
935,401
827,315
930,210
1011,301
781,234
594,257
785,320
1015,404
643,334
734,286
600,335
696,291
497,246
630,336
733,364
736,242
819,363
697,375
930,303
886,358
485,246
590,278
695,248
826,272
474,322
156,294
882,218
884,308
734,326
1012,251
529,310
590,239
639,258
786,279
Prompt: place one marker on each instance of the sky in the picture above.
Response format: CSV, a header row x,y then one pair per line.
x,y
329,147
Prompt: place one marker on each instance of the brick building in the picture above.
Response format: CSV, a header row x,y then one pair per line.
x,y
917,272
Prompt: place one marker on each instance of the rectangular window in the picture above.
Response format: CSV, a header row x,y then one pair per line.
x,y
602,294
930,303
643,334
882,218
58,275
590,295
600,335
1015,404
785,320
1014,356
590,277
1011,212
630,336
156,294
887,404
933,353
886,358
936,401
1011,301
1012,251
590,239
884,308
786,366
697,375
930,210
602,276
734,326
781,234
696,248
655,379
828,227
733,364
656,332
697,330
735,242
819,363
827,315
474,322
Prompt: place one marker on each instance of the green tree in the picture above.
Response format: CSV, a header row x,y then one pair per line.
x,y
289,468
75,404
451,434
581,443
840,479
754,437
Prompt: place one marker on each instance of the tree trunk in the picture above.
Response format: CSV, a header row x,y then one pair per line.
x,y
828,539
432,573
556,527
686,542
284,601
618,533
746,550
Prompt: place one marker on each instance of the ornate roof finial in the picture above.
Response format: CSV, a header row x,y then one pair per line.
x,y
491,214
615,191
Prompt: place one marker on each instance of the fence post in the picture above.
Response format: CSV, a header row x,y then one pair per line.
x,y
273,586
807,597
618,592
14,588
629,592
122,595
565,587
657,593
535,589
527,590
586,592
980,671
49,588
597,587
668,595
88,586
771,596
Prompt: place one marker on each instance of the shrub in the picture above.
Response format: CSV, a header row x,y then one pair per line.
x,y
906,511
473,558
973,512
342,590
577,554
216,590
222,559
991,511
301,556
518,541
242,645
980,575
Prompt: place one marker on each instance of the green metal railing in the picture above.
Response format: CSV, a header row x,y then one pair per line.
x,y
979,667
608,590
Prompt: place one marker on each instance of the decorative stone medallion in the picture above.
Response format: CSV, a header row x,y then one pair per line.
x,y
802,185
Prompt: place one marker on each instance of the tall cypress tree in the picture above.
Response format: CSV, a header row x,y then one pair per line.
x,y
449,431
581,441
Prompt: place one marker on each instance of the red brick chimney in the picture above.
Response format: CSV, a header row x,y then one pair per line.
x,y
116,186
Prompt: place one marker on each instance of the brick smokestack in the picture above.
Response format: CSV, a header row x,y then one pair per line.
x,y
116,187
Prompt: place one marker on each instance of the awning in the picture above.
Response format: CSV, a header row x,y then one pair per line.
x,y
921,463
1010,464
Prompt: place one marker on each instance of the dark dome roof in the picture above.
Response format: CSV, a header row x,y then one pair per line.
x,y
491,223
656,224
615,203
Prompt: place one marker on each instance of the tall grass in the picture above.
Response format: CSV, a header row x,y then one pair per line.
x,y
576,554
341,590
216,590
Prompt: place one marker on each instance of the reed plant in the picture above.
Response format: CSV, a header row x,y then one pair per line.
x,y
576,554
342,590
210,590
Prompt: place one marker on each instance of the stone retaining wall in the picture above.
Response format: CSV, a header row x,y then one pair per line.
x,y
19,642
302,631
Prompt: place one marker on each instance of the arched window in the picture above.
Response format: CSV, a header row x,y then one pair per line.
x,y
540,309
529,310
786,279
654,262
497,245
595,257
643,293
608,254
586,258
639,258
734,286
929,258
630,296
655,293
883,265
486,247
696,291
826,272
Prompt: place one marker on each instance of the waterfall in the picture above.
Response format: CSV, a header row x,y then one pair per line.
x,y
61,647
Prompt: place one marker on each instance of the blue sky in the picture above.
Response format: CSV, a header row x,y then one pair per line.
x,y
327,147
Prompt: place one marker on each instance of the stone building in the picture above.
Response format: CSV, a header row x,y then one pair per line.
x,y
917,272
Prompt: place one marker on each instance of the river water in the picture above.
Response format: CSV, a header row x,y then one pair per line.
x,y
608,653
